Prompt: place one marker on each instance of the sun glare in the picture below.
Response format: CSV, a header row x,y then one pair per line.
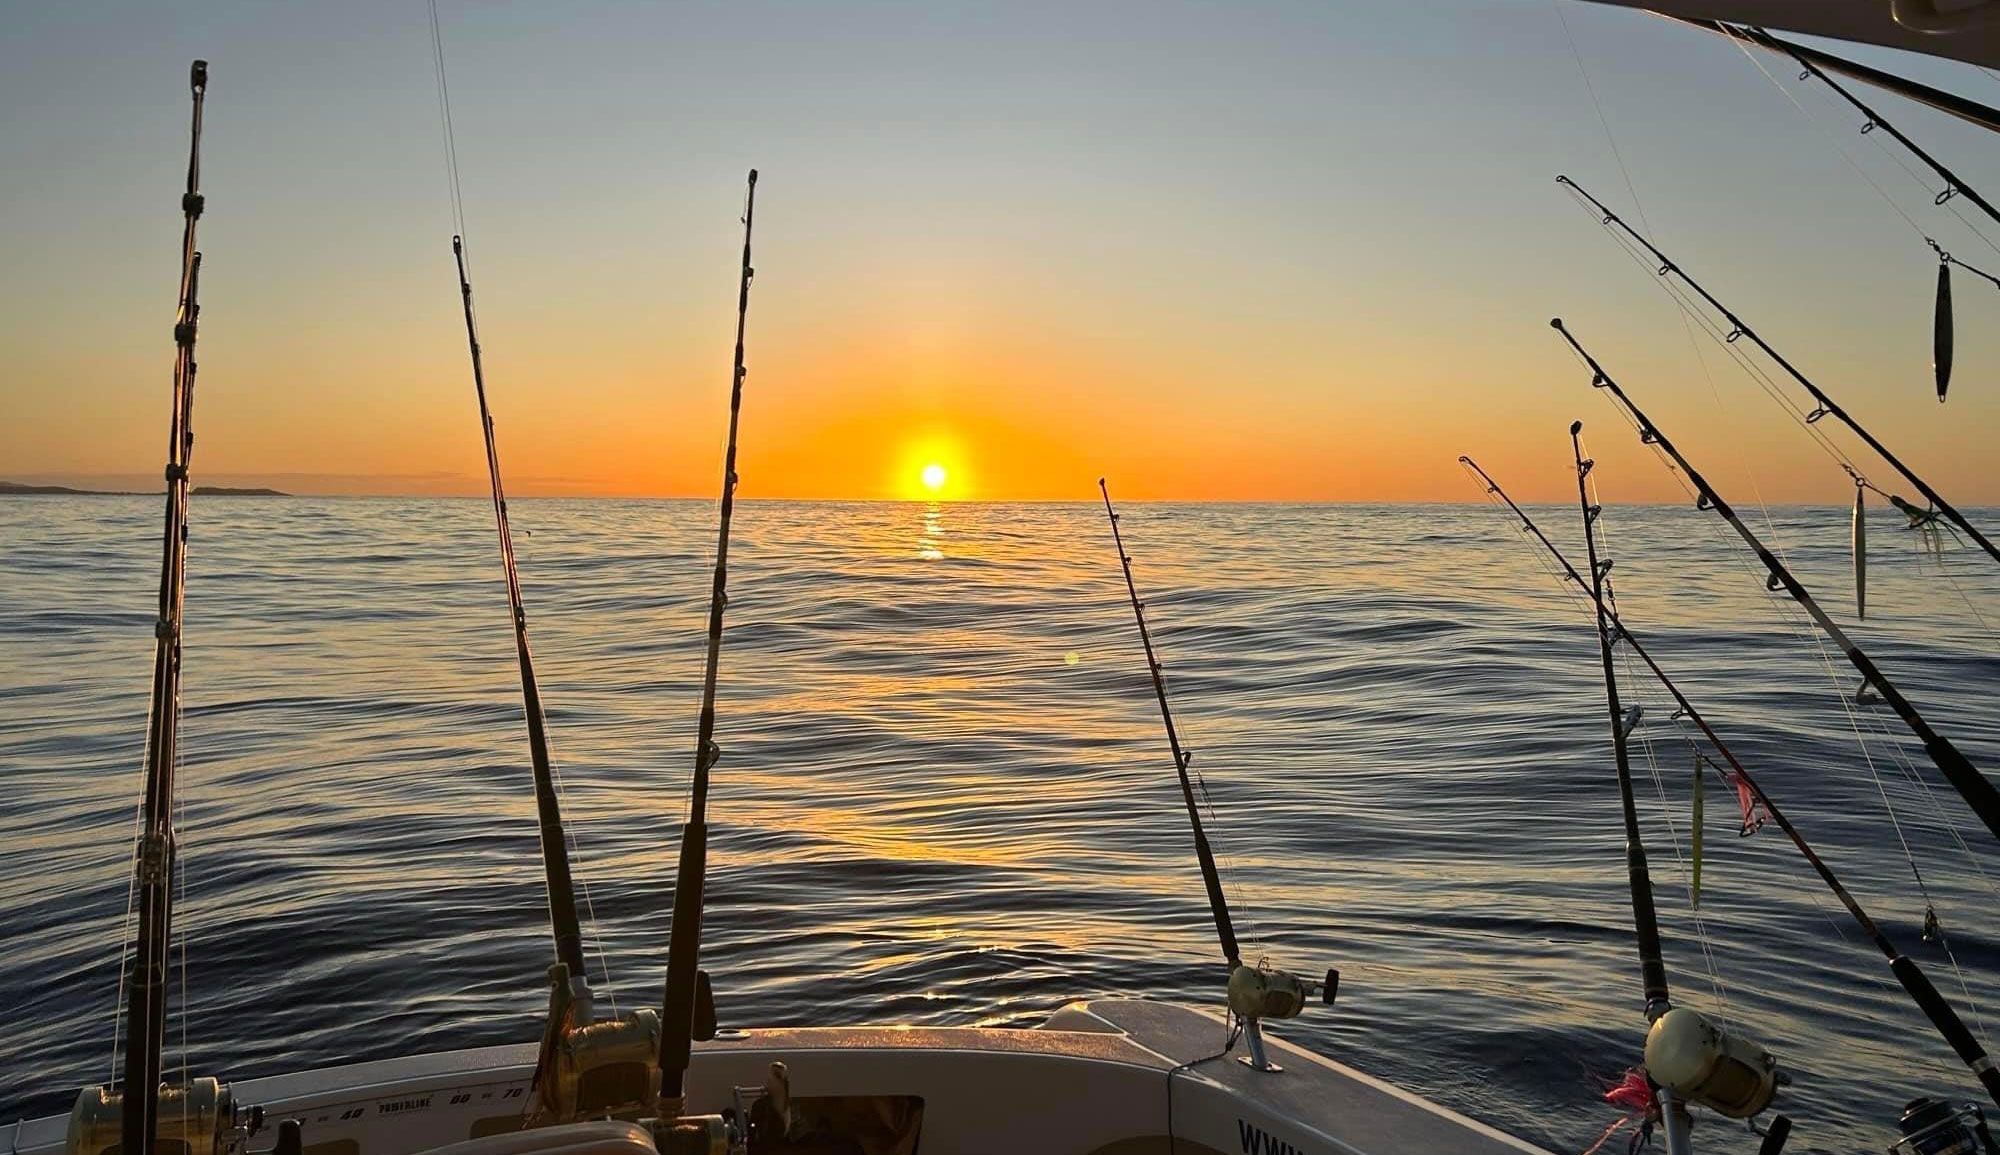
x,y
933,477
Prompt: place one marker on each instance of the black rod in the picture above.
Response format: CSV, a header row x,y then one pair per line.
x,y
1827,406
1645,921
1953,183
1970,111
684,945
146,1008
1964,777
1919,986
548,809
1211,878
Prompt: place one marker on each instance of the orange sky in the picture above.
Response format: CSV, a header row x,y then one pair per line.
x,y
1268,255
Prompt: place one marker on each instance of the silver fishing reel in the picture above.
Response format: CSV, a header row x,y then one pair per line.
x,y
1261,992
1934,1127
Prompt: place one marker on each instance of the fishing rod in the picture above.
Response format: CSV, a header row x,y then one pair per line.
x,y
1827,406
1645,920
146,1009
1810,61
1211,878
1966,778
1652,968
1970,111
1906,970
548,809
1255,993
678,1012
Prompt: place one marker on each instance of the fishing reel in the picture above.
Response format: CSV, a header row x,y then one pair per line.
x,y
198,1118
761,1118
1934,1127
1699,1062
597,1069
1261,992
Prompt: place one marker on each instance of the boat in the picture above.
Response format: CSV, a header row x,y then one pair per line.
x,y
1124,1076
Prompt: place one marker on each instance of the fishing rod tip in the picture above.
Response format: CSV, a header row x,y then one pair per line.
x,y
753,176
1556,323
198,75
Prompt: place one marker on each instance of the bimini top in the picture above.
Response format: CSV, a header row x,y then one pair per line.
x,y
1967,30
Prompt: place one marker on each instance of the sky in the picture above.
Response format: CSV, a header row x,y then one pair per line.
x,y
1270,251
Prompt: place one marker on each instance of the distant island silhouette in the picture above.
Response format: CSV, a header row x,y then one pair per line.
x,y
17,489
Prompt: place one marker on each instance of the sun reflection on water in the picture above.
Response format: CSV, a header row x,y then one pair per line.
x,y
930,546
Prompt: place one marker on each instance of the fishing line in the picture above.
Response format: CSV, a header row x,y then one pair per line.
x,y
1598,107
589,907
444,117
1944,572
180,822
1224,859
1200,782
1933,928
125,940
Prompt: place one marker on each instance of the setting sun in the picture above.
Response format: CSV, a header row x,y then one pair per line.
x,y
933,477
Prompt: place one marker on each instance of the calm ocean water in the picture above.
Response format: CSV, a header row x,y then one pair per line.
x,y
944,795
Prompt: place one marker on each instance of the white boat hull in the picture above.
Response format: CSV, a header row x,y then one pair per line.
x,y
1105,1078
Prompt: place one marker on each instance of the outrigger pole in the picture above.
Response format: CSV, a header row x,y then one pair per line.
x,y
1966,778
146,1009
1827,406
1225,931
684,948
1907,972
548,810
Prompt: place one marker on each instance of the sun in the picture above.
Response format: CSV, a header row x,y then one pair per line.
x,y
933,477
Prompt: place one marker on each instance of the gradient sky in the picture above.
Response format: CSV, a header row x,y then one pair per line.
x,y
1281,251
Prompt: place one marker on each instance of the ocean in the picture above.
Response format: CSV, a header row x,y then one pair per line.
x,y
945,795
